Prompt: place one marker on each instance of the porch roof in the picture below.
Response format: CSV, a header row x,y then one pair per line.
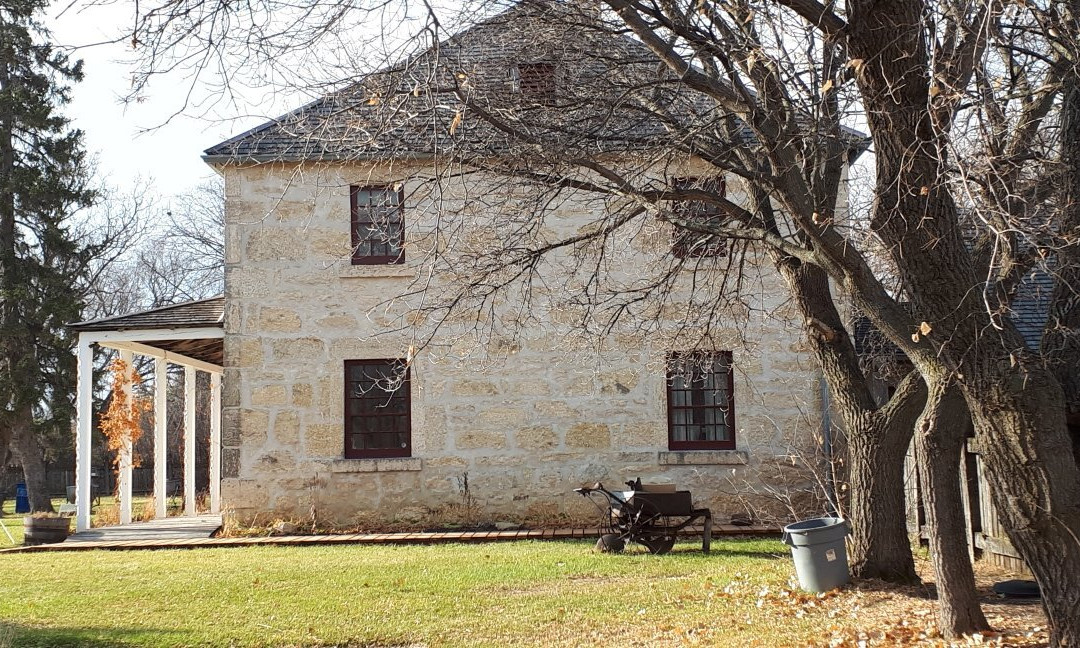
x,y
174,323
201,312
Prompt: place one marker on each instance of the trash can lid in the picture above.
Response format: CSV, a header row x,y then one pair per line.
x,y
816,530
1017,589
814,524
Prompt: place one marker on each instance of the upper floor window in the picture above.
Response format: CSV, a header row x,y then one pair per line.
x,y
378,409
378,225
688,243
536,81
701,401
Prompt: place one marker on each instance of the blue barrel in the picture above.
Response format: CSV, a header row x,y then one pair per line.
x,y
817,546
22,498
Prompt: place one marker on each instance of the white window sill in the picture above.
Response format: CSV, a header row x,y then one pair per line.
x,y
703,457
388,464
377,271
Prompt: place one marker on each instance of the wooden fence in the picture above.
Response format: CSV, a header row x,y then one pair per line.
x,y
987,539
988,535
104,482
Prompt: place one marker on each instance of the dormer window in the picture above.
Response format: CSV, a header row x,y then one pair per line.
x,y
688,243
535,81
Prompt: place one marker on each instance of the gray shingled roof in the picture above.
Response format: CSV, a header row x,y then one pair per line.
x,y
1031,306
193,314
410,109
1030,310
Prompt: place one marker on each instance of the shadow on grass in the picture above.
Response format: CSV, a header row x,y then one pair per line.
x,y
928,590
720,552
13,635
691,551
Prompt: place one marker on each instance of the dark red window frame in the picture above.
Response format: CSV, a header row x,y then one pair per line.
x,y
691,400
687,244
375,413
377,225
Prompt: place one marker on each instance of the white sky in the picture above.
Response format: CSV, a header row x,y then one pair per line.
x,y
149,139
139,140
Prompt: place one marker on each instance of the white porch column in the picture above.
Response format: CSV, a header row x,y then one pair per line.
x,y
124,487
189,441
83,427
215,443
161,417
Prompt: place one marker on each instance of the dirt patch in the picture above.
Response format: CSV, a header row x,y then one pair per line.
x,y
873,613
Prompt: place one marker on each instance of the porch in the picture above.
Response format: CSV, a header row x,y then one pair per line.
x,y
189,335
158,531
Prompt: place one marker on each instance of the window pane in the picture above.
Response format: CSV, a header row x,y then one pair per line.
x,y
377,218
378,418
690,244
536,80
699,400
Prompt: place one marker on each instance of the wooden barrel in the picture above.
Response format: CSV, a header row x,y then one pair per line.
x,y
45,530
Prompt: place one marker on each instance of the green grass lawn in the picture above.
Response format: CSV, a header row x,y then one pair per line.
x,y
502,594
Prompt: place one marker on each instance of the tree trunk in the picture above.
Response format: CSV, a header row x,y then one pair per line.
x,y
27,451
1061,337
939,439
1020,426
877,439
880,547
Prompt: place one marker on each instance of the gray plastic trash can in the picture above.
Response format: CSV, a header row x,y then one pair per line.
x,y
817,546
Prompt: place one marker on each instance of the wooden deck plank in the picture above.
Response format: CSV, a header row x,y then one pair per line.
x,y
184,532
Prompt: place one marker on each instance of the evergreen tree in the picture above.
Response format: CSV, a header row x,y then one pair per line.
x,y
43,181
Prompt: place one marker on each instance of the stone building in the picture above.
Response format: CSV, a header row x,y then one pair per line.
x,y
348,393
519,420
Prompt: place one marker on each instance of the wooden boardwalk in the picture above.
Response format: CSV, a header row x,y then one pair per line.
x,y
176,535
199,527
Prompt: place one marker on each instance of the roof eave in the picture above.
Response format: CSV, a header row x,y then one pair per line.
x,y
110,322
147,327
224,160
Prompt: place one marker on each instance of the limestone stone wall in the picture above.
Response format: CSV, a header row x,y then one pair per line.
x,y
521,418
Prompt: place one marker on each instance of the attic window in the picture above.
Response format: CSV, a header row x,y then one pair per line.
x,y
688,243
536,80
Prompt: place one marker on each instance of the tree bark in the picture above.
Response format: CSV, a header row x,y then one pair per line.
x,y
880,546
939,439
1020,427
1061,338
27,451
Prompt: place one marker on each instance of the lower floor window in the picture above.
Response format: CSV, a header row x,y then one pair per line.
x,y
377,409
701,401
